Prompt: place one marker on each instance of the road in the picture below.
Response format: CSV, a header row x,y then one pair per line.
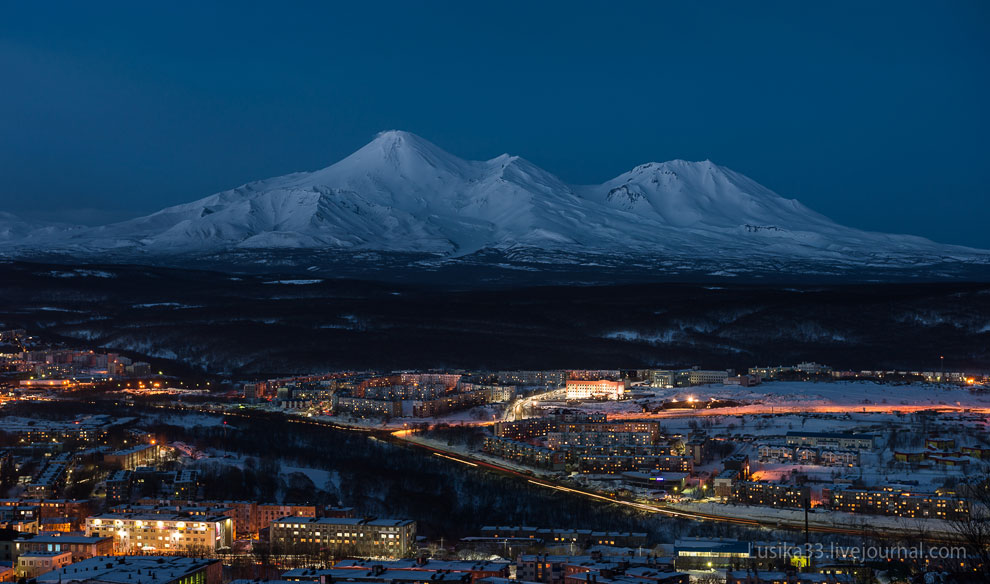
x,y
649,508
401,437
519,406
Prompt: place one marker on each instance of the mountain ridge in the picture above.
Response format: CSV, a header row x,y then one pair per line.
x,y
401,193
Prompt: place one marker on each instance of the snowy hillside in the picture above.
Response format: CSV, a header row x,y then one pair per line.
x,y
401,193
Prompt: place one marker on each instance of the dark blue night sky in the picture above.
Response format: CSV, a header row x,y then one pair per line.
x,y
875,114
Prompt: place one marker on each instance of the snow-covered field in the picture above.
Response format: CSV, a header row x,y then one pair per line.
x,y
798,396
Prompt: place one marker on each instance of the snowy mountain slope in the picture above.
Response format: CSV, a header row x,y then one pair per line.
x,y
401,193
17,231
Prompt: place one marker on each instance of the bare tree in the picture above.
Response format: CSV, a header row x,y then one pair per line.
x,y
973,529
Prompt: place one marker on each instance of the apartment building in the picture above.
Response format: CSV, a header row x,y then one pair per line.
x,y
150,532
76,509
529,454
831,439
119,485
81,547
611,464
32,564
900,503
557,440
49,481
269,513
599,389
771,495
131,458
391,537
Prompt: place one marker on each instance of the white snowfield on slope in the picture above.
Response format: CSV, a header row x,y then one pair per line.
x,y
403,193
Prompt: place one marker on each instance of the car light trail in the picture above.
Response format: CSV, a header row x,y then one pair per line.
x,y
454,459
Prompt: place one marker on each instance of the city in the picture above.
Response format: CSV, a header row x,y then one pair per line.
x,y
776,474
327,292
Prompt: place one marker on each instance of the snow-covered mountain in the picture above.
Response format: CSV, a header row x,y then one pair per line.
x,y
19,232
400,193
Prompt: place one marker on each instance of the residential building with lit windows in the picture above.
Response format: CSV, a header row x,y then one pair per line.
x,y
186,484
831,439
533,455
563,439
900,503
131,458
49,481
269,513
249,516
602,389
119,487
612,464
771,495
149,532
389,537
703,377
81,547
75,509
32,564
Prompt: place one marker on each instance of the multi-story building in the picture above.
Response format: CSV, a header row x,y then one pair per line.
x,y
119,487
131,458
249,517
838,458
75,509
268,513
360,406
81,547
900,503
548,379
243,513
705,377
707,554
494,393
31,564
600,389
775,452
530,454
49,481
523,429
743,380
611,464
557,440
390,537
832,440
666,379
723,484
186,485
771,495
150,532
449,403
738,462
